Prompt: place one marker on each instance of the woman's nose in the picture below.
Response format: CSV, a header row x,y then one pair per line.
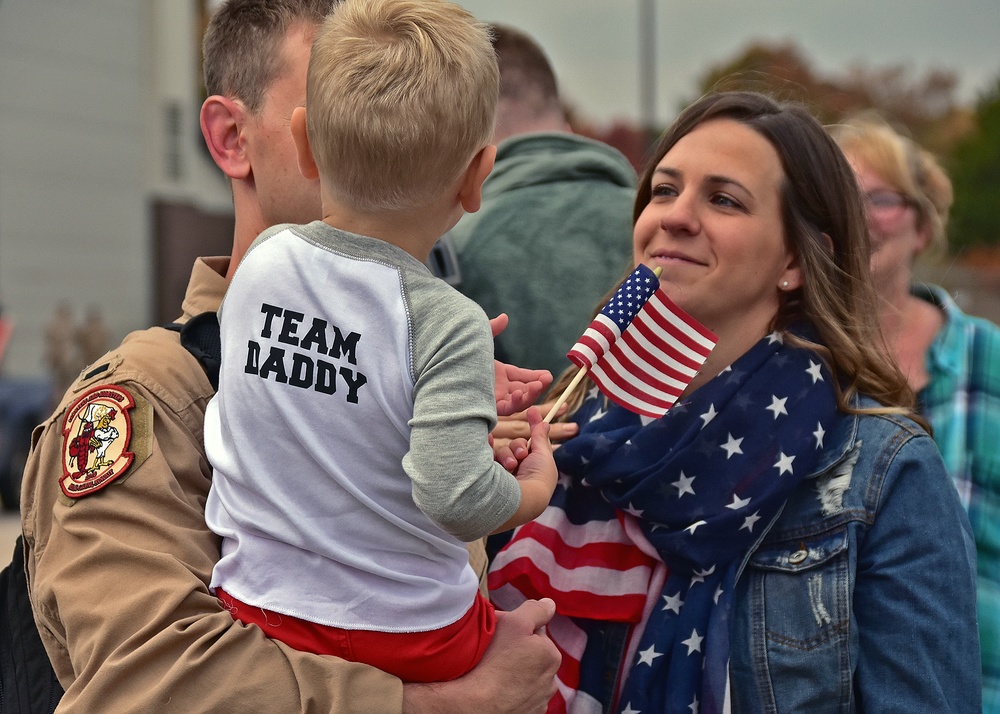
x,y
680,216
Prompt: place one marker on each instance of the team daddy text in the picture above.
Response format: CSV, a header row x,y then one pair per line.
x,y
305,370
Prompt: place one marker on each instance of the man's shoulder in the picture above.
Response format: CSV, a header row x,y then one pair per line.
x,y
150,360
102,431
558,158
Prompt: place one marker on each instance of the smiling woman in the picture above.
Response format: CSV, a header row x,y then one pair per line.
x,y
777,511
718,237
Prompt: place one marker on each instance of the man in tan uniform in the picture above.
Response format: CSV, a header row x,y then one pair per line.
x,y
118,556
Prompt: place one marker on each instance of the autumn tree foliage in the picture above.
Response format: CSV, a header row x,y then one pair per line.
x,y
924,104
975,173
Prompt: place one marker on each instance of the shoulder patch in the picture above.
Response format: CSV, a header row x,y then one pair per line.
x,y
97,440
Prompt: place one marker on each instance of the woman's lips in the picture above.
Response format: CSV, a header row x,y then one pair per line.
x,y
674,258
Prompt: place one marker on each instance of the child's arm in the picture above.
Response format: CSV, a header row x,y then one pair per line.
x,y
536,474
455,480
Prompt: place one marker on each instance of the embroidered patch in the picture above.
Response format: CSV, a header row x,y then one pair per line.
x,y
96,438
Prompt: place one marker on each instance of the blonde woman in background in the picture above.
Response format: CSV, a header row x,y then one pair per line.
x,y
951,360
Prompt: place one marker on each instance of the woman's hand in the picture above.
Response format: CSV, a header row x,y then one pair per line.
x,y
515,388
516,427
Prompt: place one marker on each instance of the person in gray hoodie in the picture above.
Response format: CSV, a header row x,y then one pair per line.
x,y
557,205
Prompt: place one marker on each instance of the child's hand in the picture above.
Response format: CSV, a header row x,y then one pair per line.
x,y
536,472
514,429
509,453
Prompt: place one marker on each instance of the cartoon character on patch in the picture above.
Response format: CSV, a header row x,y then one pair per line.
x,y
97,424
104,433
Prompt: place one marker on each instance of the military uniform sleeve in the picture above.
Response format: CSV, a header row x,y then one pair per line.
x,y
119,577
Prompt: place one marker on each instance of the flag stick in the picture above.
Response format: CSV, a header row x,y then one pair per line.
x,y
565,395
579,376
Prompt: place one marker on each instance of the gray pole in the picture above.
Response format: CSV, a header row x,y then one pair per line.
x,y
647,64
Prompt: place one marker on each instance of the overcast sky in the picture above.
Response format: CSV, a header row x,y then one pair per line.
x,y
593,44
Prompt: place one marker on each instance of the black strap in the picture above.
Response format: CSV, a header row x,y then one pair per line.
x,y
28,685
200,337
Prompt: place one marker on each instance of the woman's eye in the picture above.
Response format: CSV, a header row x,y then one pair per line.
x,y
664,189
721,199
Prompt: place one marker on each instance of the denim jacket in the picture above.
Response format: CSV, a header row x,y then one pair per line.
x,y
861,596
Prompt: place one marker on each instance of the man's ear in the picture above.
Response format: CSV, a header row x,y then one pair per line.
x,y
303,152
470,192
222,122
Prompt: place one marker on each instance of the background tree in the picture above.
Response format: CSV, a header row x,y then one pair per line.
x,y
975,172
924,105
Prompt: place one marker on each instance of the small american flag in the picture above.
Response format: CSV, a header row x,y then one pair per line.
x,y
642,350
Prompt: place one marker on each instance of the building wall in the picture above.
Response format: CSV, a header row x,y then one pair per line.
x,y
98,123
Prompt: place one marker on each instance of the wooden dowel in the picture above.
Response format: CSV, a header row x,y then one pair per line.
x,y
565,395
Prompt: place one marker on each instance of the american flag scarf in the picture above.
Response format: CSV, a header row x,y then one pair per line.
x,y
651,520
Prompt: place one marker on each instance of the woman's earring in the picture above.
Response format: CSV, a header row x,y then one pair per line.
x,y
784,284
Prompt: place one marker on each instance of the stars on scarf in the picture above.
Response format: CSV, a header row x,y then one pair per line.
x,y
718,594
646,420
819,434
673,603
784,464
778,406
565,480
732,446
734,376
683,485
738,503
695,526
702,573
750,521
695,705
707,448
709,415
603,445
629,710
598,414
693,642
632,510
775,337
815,372
647,656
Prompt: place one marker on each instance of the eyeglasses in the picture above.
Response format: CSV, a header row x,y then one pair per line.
x,y
886,203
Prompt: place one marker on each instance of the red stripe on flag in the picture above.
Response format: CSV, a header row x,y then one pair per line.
x,y
596,339
618,389
630,366
687,330
631,341
625,555
670,347
534,583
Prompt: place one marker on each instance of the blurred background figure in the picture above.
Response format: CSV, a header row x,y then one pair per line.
x,y
951,360
6,328
61,355
92,336
553,233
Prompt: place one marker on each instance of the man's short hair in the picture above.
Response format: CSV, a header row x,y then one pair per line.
x,y
526,76
241,49
400,97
